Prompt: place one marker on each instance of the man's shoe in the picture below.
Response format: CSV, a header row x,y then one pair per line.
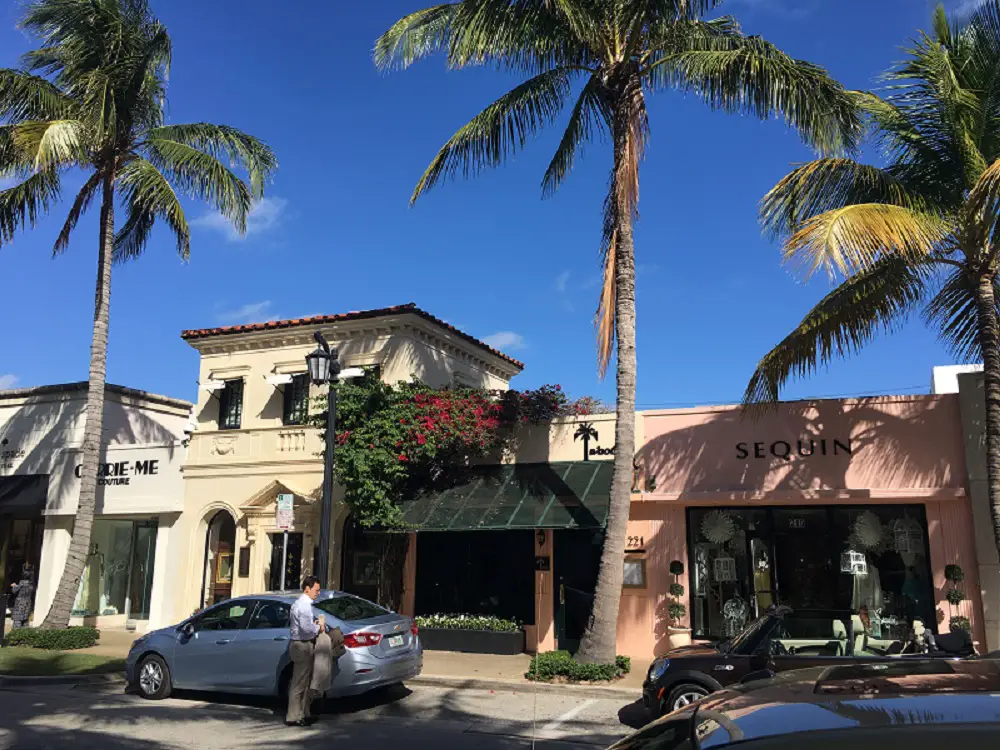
x,y
299,723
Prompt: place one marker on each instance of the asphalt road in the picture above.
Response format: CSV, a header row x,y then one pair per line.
x,y
81,718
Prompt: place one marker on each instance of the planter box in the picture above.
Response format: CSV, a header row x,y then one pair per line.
x,y
472,641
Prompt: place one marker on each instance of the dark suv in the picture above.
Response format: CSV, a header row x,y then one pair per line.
x,y
778,641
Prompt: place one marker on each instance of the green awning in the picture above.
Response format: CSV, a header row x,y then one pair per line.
x,y
562,495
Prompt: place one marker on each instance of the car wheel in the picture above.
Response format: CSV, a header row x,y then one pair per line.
x,y
153,682
684,695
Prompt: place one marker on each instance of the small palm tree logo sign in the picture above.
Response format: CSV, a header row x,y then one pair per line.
x,y
585,432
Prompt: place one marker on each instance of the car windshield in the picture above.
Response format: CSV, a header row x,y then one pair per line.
x,y
349,608
748,635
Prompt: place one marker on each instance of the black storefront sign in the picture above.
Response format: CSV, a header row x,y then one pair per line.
x,y
789,450
121,472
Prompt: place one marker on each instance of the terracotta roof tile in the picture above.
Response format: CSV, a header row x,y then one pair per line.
x,y
411,309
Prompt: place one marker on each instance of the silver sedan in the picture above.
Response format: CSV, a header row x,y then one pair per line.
x,y
241,646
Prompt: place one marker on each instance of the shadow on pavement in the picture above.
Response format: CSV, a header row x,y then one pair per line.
x,y
634,715
91,720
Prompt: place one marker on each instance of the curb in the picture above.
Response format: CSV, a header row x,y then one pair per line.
x,y
476,683
12,681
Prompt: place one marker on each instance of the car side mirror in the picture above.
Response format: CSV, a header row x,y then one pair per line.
x,y
759,675
187,629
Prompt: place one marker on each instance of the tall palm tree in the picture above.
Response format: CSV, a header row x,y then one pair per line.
x,y
923,231
619,50
91,97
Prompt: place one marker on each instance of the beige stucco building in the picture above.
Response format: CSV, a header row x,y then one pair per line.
x,y
251,445
135,547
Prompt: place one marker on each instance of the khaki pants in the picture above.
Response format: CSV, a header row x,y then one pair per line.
x,y
299,694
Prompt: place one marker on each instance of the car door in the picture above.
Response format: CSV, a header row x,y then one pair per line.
x,y
261,651
809,639
203,659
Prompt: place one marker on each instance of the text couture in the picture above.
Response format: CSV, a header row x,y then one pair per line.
x,y
785,450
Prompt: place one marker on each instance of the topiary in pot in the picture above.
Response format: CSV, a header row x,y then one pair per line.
x,y
954,573
958,622
955,596
676,611
676,589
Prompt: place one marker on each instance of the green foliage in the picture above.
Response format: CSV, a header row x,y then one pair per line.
x,y
676,611
922,232
954,573
67,639
676,568
92,96
955,596
958,622
488,623
546,667
396,441
676,589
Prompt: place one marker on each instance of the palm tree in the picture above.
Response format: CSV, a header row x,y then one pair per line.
x,y
92,97
921,232
619,50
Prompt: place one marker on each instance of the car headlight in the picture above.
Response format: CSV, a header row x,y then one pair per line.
x,y
658,668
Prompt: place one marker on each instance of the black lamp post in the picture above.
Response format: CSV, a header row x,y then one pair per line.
x,y
323,370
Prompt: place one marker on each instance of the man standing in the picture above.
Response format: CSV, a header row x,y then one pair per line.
x,y
304,629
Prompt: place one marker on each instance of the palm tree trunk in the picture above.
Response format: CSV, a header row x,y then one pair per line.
x,y
62,604
599,642
989,337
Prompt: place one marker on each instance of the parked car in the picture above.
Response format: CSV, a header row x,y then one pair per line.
x,y
241,646
778,641
913,703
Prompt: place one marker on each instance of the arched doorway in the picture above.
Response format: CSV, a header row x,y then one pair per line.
x,y
220,549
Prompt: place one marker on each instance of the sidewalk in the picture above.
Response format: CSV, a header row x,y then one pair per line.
x,y
445,668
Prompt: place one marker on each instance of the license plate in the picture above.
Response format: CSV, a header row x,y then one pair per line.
x,y
395,641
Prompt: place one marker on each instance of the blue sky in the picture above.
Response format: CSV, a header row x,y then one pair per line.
x,y
335,232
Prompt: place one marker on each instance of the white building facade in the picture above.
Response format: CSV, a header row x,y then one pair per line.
x,y
134,551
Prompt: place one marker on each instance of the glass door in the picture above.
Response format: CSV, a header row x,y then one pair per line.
x,y
141,570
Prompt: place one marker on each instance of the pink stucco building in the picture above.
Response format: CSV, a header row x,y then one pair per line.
x,y
856,504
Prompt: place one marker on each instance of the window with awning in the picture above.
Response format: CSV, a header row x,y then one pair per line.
x,y
560,495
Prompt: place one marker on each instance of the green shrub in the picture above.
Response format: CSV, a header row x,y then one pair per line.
x,y
54,640
545,667
960,623
676,611
955,596
954,573
676,589
468,622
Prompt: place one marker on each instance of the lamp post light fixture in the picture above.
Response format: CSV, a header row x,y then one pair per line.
x,y
324,368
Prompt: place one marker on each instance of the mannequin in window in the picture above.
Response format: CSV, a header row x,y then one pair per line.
x,y
88,598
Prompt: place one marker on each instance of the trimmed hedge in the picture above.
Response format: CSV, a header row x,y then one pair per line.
x,y
545,667
54,640
468,622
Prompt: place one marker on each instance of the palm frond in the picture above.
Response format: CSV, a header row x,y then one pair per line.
x,y
527,36
827,184
24,96
229,144
499,130
22,205
983,207
415,37
77,210
147,195
846,240
953,313
754,77
52,144
591,117
875,300
202,176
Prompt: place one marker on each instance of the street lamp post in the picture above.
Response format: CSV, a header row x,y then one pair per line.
x,y
324,368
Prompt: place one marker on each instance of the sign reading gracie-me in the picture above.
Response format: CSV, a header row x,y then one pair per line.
x,y
787,450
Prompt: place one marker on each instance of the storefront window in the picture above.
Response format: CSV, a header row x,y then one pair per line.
x,y
847,560
118,577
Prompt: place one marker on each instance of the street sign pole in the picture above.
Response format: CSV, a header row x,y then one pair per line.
x,y
284,559
284,517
